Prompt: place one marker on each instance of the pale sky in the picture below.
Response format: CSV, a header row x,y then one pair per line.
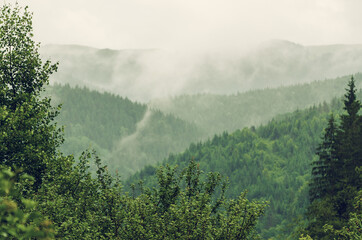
x,y
194,24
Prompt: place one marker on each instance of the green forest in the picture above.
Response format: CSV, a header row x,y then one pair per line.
x,y
126,134
81,164
218,113
272,161
112,130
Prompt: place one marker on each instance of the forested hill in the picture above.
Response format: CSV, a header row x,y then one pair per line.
x,y
218,113
127,135
272,161
130,135
102,118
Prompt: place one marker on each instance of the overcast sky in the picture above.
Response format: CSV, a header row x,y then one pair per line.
x,y
194,24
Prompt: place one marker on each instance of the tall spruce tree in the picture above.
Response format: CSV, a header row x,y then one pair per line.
x,y
335,180
350,138
349,150
324,173
324,184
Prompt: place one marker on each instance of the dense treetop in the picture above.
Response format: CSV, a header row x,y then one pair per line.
x,y
28,137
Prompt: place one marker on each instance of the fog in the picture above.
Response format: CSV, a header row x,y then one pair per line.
x,y
165,48
128,148
143,75
194,25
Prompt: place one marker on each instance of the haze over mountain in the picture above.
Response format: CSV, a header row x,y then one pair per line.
x,y
143,74
217,113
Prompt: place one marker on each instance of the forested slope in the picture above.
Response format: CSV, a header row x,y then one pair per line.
x,y
218,113
91,117
130,135
126,134
271,161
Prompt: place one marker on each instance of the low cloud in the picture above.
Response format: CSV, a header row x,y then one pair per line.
x,y
142,75
201,24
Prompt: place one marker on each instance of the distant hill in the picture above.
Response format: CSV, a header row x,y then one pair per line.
x,y
218,113
126,134
129,135
146,74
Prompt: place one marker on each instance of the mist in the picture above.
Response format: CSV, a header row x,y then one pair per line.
x,y
201,24
146,74
166,48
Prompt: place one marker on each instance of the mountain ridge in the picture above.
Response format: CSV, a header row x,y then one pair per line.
x,y
145,74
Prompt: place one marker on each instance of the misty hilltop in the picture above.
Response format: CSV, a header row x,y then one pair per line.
x,y
145,74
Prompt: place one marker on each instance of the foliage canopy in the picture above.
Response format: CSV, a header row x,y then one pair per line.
x,y
28,138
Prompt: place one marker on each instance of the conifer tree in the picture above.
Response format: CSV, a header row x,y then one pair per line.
x,y
324,172
350,138
335,180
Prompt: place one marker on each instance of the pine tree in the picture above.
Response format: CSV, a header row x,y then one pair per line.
x,y
324,183
350,137
349,150
323,172
335,180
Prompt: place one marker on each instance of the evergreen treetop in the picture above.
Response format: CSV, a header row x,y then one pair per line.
x,y
335,177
